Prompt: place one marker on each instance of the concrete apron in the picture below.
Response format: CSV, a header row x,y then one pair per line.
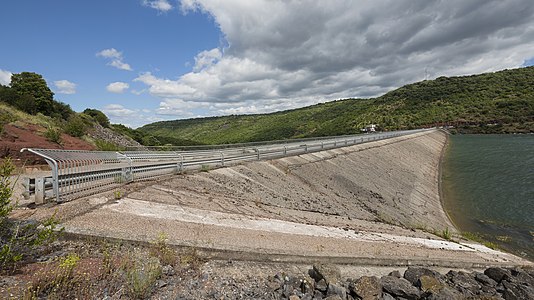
x,y
241,237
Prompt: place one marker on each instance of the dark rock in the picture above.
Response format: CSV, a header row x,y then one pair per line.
x,y
329,273
386,296
321,286
429,284
446,293
413,274
497,274
318,295
513,291
485,279
367,288
463,282
395,273
399,287
334,289
520,275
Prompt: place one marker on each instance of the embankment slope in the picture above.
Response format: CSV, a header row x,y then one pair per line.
x,y
358,204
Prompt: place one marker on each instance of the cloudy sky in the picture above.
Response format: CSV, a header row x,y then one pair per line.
x,y
142,61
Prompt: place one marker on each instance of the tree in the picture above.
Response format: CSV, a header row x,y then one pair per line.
x,y
99,116
29,83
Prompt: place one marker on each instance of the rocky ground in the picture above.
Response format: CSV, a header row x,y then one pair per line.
x,y
107,270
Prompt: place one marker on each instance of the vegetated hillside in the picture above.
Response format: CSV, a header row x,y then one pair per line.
x,y
500,102
31,117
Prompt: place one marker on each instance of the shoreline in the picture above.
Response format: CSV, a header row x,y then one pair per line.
x,y
442,158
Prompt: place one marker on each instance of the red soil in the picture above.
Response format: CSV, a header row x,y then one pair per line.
x,y
13,138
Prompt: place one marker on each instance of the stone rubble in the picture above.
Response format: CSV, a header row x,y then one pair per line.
x,y
416,283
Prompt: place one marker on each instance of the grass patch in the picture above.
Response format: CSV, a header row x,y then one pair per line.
x,y
477,237
162,251
107,146
141,276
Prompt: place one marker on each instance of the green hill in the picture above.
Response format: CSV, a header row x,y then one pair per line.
x,y
500,102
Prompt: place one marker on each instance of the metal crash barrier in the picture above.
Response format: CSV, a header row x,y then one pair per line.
x,y
76,173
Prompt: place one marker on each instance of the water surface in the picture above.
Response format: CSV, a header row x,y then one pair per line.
x,y
488,186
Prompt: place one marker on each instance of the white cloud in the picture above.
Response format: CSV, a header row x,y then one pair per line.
x,y
65,87
117,110
160,5
304,52
117,87
5,77
118,114
115,59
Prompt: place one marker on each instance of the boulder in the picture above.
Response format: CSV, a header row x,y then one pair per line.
x,y
497,274
520,275
395,273
485,279
321,286
399,287
330,273
446,293
517,291
465,283
335,289
429,284
413,274
367,288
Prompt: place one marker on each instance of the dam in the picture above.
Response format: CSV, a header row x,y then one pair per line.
x,y
376,204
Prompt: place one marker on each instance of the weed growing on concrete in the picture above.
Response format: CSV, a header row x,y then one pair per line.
x,y
192,259
205,168
141,276
446,234
117,195
161,250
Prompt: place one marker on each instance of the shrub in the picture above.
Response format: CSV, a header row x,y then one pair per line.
x,y
161,250
53,135
76,126
141,276
103,145
19,239
98,116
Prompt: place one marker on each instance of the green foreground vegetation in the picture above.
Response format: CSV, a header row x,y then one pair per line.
x,y
501,102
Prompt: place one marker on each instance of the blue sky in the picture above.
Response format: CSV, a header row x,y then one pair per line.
x,y
146,60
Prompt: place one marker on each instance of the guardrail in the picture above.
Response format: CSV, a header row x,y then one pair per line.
x,y
76,174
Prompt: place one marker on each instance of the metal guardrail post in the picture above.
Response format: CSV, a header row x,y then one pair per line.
x,y
53,165
222,157
180,167
127,172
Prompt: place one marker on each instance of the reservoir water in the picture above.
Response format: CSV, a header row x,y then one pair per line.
x,y
488,189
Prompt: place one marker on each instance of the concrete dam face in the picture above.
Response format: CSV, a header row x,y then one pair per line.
x,y
352,205
394,181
